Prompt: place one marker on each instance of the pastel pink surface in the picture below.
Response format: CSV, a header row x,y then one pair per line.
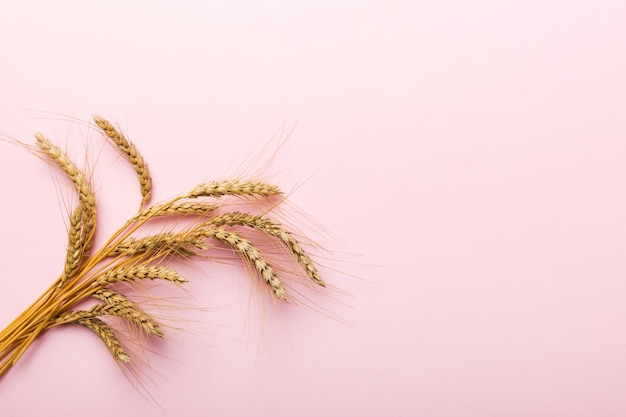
x,y
467,158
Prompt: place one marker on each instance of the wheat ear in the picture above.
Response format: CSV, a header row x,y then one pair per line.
x,y
251,253
107,335
83,219
235,188
129,150
119,305
181,244
133,273
116,305
180,208
276,230
75,252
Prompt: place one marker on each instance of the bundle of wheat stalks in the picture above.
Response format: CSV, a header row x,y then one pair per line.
x,y
129,258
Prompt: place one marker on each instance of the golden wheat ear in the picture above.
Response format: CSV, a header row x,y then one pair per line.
x,y
275,230
132,155
183,244
88,319
236,188
136,272
107,335
82,222
118,305
251,254
176,208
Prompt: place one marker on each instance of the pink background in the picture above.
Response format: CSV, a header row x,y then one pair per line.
x,y
466,158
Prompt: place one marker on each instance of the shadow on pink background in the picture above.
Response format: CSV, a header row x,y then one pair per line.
x,y
466,159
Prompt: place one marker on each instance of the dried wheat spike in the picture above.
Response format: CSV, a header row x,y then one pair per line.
x,y
83,220
132,273
116,305
251,253
273,229
71,316
235,188
119,305
107,335
75,252
130,152
176,208
181,244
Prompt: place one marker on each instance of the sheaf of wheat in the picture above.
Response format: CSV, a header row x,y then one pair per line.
x,y
131,257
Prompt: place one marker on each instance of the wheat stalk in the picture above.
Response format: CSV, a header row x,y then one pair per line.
x,y
126,258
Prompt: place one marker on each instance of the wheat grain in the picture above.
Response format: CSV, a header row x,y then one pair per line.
x,y
129,150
